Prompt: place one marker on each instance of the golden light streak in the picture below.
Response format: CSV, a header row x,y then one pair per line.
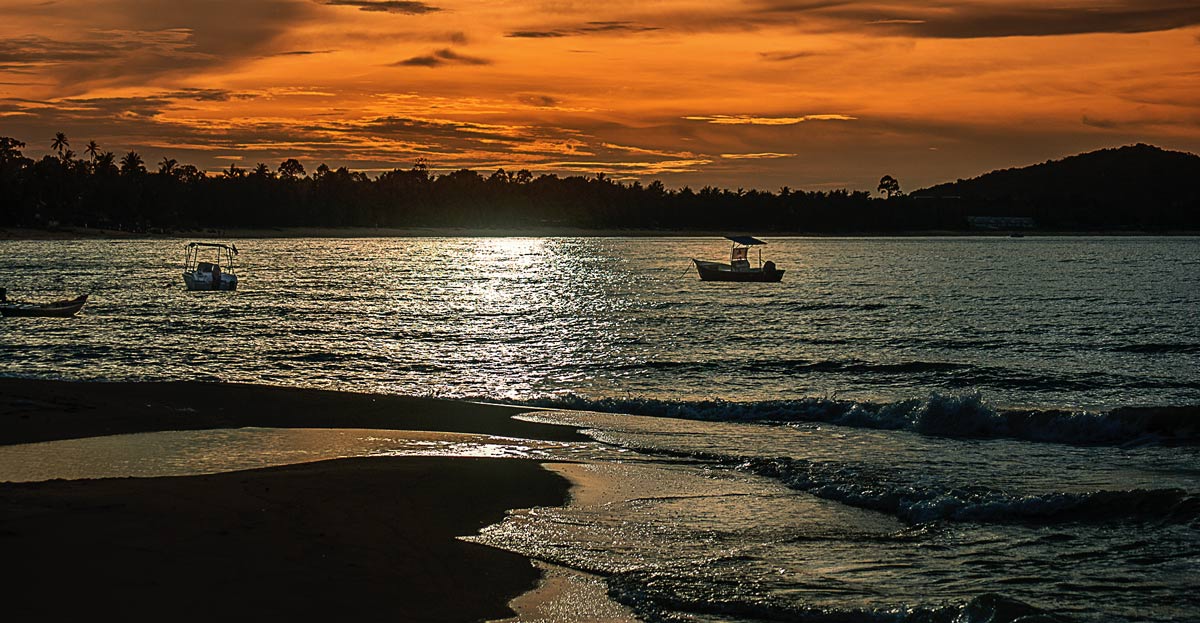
x,y
756,156
751,120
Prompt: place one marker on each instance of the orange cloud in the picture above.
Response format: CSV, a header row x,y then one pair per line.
x,y
747,93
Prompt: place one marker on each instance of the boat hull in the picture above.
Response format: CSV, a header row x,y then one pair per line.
x,y
58,309
716,271
199,280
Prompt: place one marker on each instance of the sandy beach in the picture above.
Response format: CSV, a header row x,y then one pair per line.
x,y
330,539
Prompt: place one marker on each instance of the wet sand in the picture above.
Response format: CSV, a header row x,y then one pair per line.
x,y
37,410
332,539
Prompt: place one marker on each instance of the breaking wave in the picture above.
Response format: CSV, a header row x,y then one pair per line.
x,y
659,599
920,502
962,416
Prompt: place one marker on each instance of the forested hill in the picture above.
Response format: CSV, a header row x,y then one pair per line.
x,y
1137,188
1134,174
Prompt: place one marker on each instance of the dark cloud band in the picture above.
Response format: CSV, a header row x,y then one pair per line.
x,y
441,57
386,6
961,20
590,28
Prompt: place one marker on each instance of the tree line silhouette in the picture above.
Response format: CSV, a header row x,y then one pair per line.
x,y
104,190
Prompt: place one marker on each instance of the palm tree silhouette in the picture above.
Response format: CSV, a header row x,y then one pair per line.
x,y
167,166
131,163
105,162
60,142
92,149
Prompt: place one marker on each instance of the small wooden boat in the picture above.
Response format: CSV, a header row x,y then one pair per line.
x,y
739,268
57,309
212,272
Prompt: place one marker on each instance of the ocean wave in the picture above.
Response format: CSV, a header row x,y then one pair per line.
x,y
944,415
1157,349
799,366
659,597
922,502
918,499
832,306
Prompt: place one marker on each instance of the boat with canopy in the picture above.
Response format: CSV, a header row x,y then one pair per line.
x,y
739,267
210,266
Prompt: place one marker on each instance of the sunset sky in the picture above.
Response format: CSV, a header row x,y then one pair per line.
x,y
812,94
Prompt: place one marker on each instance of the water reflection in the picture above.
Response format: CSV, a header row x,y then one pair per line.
x,y
1051,322
184,453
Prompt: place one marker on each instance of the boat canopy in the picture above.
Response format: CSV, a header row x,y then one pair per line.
x,y
213,244
746,240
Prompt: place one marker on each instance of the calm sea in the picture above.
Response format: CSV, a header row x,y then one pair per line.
x,y
910,429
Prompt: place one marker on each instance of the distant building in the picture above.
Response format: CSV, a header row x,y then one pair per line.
x,y
1001,222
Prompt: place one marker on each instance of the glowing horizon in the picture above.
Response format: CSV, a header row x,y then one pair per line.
x,y
754,94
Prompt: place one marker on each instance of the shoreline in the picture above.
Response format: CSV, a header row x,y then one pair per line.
x,y
83,233
336,538
34,410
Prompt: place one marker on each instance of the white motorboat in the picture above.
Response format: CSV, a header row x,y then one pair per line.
x,y
210,266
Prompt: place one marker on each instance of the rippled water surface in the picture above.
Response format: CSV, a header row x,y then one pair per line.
x,y
908,430
1049,322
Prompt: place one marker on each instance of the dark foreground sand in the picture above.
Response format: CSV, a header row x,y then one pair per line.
x,y
328,540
